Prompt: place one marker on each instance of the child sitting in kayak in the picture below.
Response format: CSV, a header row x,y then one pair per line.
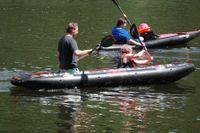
x,y
146,32
132,59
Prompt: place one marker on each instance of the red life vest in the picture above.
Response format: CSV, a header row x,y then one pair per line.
x,y
144,28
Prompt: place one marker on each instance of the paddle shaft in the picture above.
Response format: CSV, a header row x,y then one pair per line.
x,y
129,22
86,55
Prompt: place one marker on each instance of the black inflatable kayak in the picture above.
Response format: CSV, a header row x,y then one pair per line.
x,y
164,40
157,74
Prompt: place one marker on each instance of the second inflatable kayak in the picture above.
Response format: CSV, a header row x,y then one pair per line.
x,y
164,40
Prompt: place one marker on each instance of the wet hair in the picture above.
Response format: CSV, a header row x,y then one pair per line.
x,y
120,22
71,26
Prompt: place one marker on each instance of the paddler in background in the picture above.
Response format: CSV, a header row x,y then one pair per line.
x,y
146,32
122,36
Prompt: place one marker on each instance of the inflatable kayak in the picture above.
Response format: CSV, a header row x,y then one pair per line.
x,y
156,74
164,40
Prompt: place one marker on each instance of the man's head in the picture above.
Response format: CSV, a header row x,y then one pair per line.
x,y
72,29
121,23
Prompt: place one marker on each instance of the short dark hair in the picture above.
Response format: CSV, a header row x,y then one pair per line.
x,y
71,26
120,22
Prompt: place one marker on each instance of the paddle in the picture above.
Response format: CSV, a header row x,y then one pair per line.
x,y
133,26
116,3
107,41
91,52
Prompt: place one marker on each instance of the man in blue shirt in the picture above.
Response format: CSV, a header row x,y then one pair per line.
x,y
121,35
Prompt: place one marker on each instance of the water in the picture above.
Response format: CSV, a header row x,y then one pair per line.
x,y
29,32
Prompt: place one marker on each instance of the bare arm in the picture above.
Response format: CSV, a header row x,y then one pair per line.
x,y
125,57
144,62
80,53
131,41
140,53
141,62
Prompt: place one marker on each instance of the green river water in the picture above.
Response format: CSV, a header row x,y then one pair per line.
x,y
29,32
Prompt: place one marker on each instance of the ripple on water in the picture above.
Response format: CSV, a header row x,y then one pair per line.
x,y
5,76
198,118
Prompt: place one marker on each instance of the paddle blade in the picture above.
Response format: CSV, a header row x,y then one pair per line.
x,y
134,32
107,41
115,2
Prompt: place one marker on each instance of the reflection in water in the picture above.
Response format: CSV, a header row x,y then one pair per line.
x,y
104,109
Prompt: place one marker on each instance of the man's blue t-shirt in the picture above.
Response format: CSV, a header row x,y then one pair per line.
x,y
120,35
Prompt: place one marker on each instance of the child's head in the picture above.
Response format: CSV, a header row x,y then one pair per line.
x,y
126,49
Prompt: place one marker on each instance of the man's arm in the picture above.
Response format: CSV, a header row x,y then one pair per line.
x,y
131,41
80,53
